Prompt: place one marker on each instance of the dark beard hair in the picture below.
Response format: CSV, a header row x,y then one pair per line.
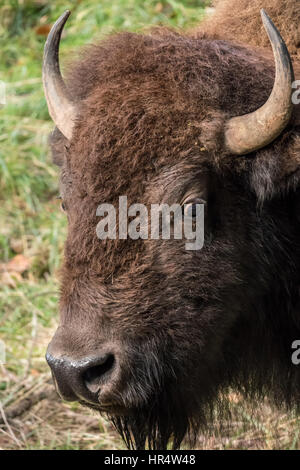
x,y
169,420
179,413
168,410
153,429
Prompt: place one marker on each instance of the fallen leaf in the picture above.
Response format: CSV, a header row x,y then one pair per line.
x,y
18,264
43,30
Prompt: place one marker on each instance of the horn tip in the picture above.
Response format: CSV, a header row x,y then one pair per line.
x,y
64,16
265,17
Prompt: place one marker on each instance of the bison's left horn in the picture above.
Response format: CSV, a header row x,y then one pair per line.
x,y
250,132
60,106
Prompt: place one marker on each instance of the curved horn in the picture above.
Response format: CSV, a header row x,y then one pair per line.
x,y
250,132
60,107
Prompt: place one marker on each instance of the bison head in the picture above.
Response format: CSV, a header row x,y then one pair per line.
x,y
153,334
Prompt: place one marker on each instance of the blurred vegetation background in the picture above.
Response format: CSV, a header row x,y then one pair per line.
x,y
33,229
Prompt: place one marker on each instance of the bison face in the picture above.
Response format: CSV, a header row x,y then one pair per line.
x,y
150,332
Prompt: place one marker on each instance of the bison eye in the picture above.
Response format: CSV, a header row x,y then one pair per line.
x,y
190,207
62,204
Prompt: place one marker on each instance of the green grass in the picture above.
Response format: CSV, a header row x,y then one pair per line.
x,y
32,225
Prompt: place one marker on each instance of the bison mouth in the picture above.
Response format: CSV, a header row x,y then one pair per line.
x,y
107,408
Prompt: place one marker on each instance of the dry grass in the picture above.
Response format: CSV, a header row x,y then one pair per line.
x,y
52,424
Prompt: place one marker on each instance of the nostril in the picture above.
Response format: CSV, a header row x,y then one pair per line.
x,y
95,376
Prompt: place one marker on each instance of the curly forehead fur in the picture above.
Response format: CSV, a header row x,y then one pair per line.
x,y
150,125
239,20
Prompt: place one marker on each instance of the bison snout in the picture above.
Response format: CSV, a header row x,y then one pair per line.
x,y
82,379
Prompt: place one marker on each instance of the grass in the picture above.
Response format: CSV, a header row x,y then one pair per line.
x,y
33,229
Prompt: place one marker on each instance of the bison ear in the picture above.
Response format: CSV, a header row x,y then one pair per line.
x,y
58,144
277,168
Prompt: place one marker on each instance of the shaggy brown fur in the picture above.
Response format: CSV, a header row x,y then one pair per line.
x,y
240,21
184,326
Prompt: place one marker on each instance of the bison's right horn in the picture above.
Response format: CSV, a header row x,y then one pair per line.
x,y
60,107
253,131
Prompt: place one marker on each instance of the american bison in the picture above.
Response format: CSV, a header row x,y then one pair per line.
x,y
150,333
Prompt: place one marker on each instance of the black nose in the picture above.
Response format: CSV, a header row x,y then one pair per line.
x,y
81,379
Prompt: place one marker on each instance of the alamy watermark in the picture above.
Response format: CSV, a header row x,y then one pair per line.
x,y
161,221
296,353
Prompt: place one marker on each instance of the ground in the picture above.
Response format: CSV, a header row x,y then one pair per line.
x,y
33,229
